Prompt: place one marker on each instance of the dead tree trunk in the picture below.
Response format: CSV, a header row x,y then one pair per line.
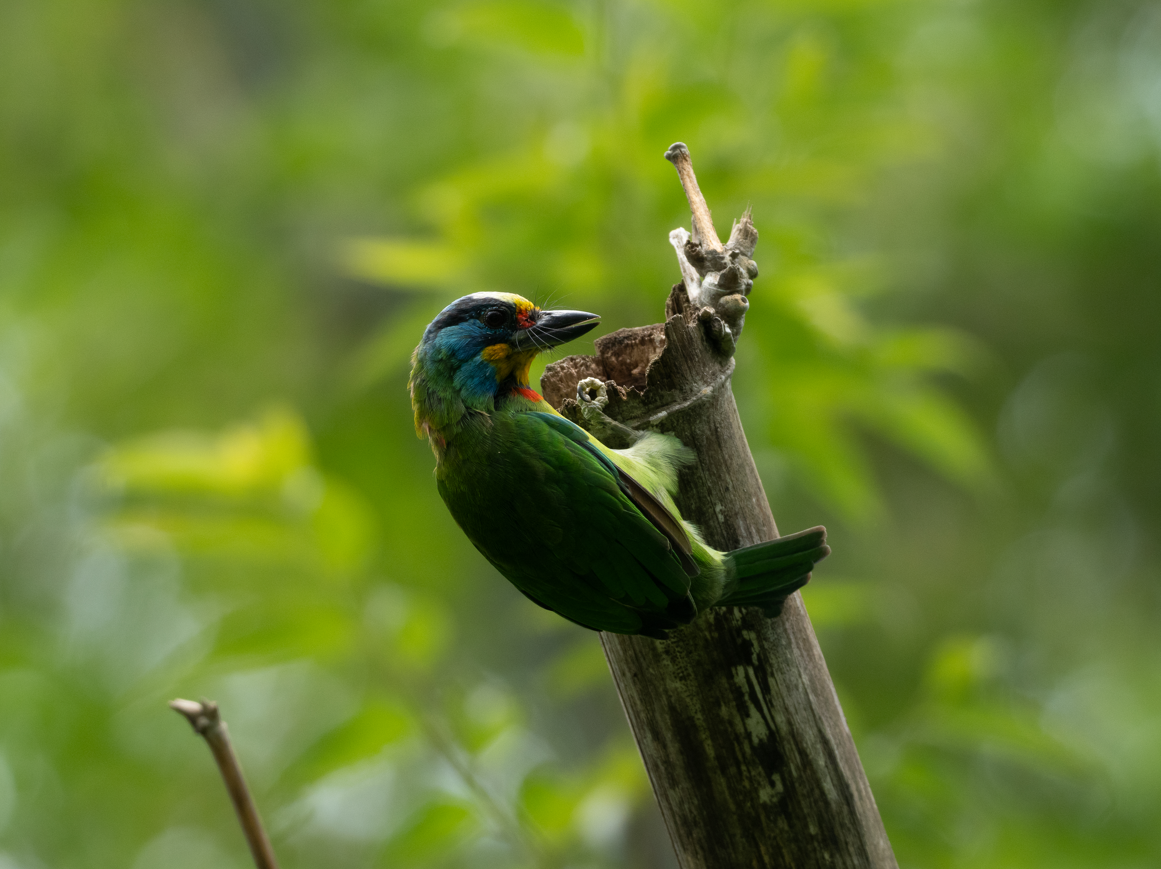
x,y
735,715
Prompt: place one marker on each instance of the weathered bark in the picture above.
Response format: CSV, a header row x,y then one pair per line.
x,y
735,715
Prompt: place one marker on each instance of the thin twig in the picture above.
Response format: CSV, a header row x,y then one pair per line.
x,y
703,223
514,826
521,835
206,721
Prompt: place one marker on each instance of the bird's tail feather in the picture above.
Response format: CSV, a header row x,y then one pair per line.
x,y
765,574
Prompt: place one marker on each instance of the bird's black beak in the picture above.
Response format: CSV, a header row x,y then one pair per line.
x,y
553,328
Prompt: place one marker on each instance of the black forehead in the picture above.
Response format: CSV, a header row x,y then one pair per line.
x,y
468,308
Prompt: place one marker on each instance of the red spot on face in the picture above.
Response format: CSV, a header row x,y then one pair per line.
x,y
530,394
524,318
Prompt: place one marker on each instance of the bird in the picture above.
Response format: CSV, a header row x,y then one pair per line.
x,y
589,532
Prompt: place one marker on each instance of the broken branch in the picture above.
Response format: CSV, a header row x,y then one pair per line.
x,y
207,722
703,222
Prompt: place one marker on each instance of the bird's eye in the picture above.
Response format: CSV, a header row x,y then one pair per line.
x,y
495,318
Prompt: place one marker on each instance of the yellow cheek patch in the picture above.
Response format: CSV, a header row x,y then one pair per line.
x,y
496,352
508,363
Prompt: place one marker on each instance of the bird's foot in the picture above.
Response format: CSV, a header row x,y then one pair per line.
x,y
592,397
591,394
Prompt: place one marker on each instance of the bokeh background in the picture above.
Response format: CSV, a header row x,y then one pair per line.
x,y
223,225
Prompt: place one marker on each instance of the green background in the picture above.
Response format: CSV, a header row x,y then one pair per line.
x,y
223,226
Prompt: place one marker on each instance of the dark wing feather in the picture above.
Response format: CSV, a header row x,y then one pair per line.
x,y
662,520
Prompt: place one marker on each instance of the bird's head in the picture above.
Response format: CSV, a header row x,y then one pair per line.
x,y
480,348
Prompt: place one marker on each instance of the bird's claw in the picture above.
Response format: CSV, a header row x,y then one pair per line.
x,y
591,393
592,397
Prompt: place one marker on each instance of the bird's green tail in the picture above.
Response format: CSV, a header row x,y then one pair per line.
x,y
765,574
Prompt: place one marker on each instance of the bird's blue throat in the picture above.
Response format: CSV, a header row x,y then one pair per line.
x,y
460,369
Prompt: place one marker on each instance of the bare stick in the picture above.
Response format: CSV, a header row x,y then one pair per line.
x,y
703,223
206,721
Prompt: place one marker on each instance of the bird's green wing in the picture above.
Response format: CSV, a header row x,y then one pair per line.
x,y
644,500
551,514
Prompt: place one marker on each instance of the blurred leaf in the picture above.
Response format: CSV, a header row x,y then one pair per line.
x,y
961,665
834,602
289,626
389,352
380,722
935,429
1012,734
930,349
397,262
578,669
550,803
408,632
483,714
439,828
344,527
806,62
244,460
540,27
832,463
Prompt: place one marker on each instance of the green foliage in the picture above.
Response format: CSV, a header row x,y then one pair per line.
x,y
224,226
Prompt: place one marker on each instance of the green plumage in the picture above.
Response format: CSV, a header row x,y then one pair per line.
x,y
589,532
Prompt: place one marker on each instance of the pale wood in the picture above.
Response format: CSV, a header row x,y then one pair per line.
x,y
703,222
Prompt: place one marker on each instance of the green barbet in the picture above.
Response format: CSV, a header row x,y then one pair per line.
x,y
582,529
